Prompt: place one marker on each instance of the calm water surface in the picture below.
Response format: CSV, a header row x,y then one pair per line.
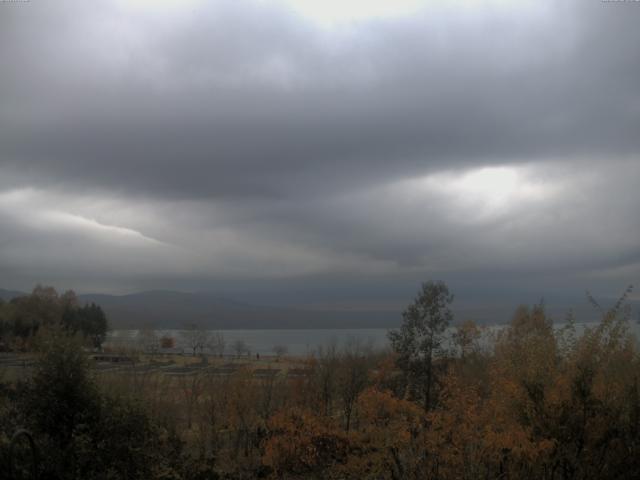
x,y
298,342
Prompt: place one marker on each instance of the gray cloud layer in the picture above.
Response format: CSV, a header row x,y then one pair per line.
x,y
239,143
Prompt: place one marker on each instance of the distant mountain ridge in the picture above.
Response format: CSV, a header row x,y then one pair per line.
x,y
170,309
7,295
174,309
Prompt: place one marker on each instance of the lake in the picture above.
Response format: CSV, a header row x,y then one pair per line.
x,y
298,342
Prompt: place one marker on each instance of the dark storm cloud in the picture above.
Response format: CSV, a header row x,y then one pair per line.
x,y
239,98
251,141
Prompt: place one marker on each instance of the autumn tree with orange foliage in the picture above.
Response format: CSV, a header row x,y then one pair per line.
x,y
302,444
530,401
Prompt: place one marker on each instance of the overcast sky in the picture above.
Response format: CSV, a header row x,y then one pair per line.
x,y
321,151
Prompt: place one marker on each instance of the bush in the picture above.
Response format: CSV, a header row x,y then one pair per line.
x,y
86,434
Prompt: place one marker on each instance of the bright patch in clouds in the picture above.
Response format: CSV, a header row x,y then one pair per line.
x,y
32,208
495,186
113,233
331,11
156,4
489,191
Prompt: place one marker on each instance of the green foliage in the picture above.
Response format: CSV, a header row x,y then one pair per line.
x,y
61,395
123,442
420,338
541,403
22,317
89,320
84,433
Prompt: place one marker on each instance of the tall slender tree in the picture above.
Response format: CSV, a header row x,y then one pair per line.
x,y
420,338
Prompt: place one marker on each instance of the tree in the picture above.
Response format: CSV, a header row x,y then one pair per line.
x,y
89,320
69,299
41,308
167,342
83,432
302,444
5,320
196,337
387,443
466,337
280,351
325,373
352,377
61,395
240,347
420,338
94,324
217,343
148,339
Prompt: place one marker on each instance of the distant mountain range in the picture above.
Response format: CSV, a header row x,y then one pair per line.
x,y
171,309
7,295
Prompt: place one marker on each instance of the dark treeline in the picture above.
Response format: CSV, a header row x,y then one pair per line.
x,y
23,316
528,401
